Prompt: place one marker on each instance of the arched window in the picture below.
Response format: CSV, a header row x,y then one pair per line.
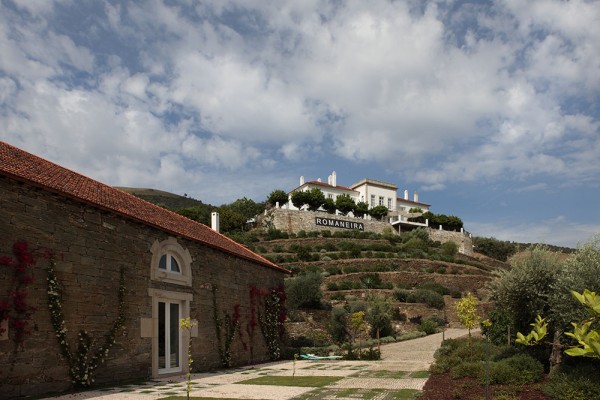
x,y
168,262
171,262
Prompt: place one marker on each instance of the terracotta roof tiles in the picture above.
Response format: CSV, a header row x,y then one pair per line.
x,y
26,167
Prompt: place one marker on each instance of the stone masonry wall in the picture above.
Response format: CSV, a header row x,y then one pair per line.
x,y
464,241
293,221
91,246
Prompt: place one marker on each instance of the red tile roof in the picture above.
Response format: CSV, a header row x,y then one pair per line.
x,y
25,167
325,185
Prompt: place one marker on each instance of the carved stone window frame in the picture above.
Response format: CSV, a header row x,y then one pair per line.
x,y
171,247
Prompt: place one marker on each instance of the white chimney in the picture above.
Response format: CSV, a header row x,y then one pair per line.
x,y
214,221
333,179
318,179
405,194
302,180
329,180
416,197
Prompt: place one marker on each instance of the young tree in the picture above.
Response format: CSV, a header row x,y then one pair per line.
x,y
378,212
357,325
345,203
361,209
329,206
466,311
300,199
338,326
277,196
380,317
316,198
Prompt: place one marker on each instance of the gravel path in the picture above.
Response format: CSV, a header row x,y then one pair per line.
x,y
402,367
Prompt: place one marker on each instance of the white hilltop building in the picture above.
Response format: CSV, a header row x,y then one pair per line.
x,y
374,193
287,218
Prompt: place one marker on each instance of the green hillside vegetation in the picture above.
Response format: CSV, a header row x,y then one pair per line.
x,y
164,199
233,216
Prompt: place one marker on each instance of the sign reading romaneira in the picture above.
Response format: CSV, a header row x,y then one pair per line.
x,y
336,223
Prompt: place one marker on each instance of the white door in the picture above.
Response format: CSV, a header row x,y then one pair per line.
x,y
169,337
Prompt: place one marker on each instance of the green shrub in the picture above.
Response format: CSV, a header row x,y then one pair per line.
x,y
397,315
449,248
473,369
431,298
435,287
518,369
304,291
333,270
401,295
332,286
345,285
350,269
574,382
338,296
428,326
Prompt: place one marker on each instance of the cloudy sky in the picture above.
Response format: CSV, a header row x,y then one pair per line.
x,y
490,110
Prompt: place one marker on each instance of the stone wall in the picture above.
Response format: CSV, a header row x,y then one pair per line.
x,y
463,239
91,246
293,221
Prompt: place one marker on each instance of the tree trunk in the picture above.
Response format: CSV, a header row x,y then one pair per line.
x,y
556,354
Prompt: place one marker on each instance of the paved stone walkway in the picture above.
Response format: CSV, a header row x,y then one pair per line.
x,y
403,366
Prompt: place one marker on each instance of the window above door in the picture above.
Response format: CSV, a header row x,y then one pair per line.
x,y
170,262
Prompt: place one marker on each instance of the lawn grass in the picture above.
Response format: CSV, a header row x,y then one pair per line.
x,y
299,381
406,394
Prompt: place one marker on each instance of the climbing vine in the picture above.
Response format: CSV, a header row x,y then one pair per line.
x,y
14,308
271,319
252,322
231,325
84,362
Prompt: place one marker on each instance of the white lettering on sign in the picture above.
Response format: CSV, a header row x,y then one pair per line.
x,y
336,223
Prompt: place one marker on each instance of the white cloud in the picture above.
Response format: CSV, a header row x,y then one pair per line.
x,y
232,86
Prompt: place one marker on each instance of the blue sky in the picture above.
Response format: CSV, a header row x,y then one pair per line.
x,y
490,110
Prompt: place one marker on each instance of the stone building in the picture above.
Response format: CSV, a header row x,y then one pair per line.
x,y
173,268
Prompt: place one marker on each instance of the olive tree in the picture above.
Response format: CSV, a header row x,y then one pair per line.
x,y
378,212
277,196
315,199
300,199
345,203
361,209
526,289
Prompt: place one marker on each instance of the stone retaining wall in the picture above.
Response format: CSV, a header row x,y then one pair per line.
x,y
462,239
293,221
